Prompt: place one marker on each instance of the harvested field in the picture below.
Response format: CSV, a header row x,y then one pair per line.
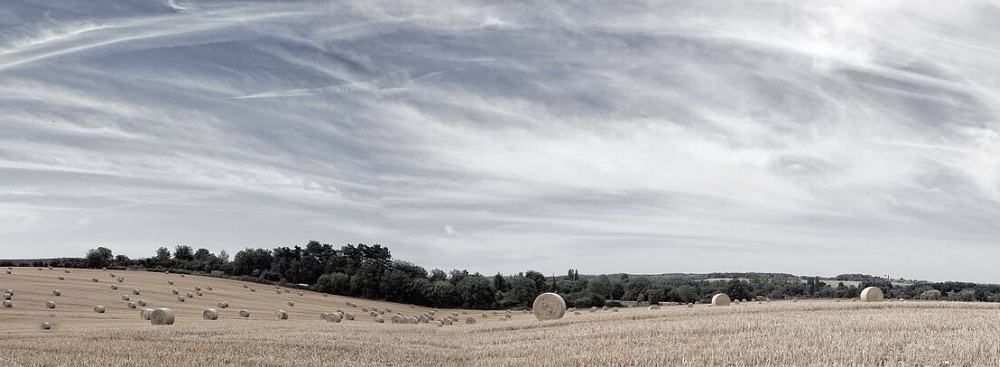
x,y
805,333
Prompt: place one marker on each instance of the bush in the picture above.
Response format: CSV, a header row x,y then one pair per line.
x,y
335,283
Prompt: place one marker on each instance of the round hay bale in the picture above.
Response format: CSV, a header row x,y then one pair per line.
x,y
373,314
141,302
614,309
439,323
56,292
189,295
95,280
277,292
136,292
8,304
364,309
507,316
253,289
7,296
182,275
335,317
485,316
604,308
131,305
161,316
324,315
549,306
197,289
125,297
281,315
175,291
145,313
112,275
379,319
62,277
396,319
200,294
447,321
99,309
654,307
471,320
349,316
291,303
50,304
720,299
245,286
180,299
66,271
121,279
577,313
210,314
301,294
114,287
244,313
224,304
46,325
208,287
872,294
171,282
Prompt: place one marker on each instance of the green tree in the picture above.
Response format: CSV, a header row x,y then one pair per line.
x,y
183,253
601,285
99,257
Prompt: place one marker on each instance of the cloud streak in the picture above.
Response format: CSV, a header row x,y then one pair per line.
x,y
629,136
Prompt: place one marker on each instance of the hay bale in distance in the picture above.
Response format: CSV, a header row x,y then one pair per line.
x,y
180,299
335,317
210,314
281,315
7,296
175,291
56,292
349,316
46,325
141,302
99,309
131,305
872,294
62,277
136,291
654,307
114,287
549,306
162,316
95,280
471,320
379,319
224,304
720,299
291,303
50,304
244,313
145,313
8,304
125,297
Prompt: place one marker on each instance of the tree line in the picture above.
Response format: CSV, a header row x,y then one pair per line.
x,y
369,271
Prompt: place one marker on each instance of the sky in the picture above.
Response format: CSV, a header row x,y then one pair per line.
x,y
807,137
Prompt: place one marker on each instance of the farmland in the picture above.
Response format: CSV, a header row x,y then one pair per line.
x,y
804,333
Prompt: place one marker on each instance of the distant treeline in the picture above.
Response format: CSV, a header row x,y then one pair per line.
x,y
371,272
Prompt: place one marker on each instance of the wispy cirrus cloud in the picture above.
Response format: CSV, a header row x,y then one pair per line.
x,y
636,136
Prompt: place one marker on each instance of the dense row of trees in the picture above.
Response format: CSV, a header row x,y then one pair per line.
x,y
371,272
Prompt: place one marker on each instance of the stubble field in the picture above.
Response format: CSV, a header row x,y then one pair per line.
x,y
813,333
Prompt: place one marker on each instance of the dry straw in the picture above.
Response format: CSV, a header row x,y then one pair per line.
x,y
162,316
871,294
549,306
720,299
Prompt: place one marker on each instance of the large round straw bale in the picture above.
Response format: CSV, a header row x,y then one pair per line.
x,y
114,287
66,271
7,296
373,314
197,289
277,292
335,317
46,325
145,313
291,303
125,297
121,279
189,295
281,315
871,294
8,304
131,305
62,277
253,289
244,313
720,299
549,306
112,275
141,302
162,316
379,319
224,304
180,299
136,291
200,294
175,291
245,286
50,304
364,309
396,319
614,309
324,315
471,320
439,323
301,294
485,316
210,314
171,282
8,272
95,280
99,309
56,292
576,313
654,307
208,287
